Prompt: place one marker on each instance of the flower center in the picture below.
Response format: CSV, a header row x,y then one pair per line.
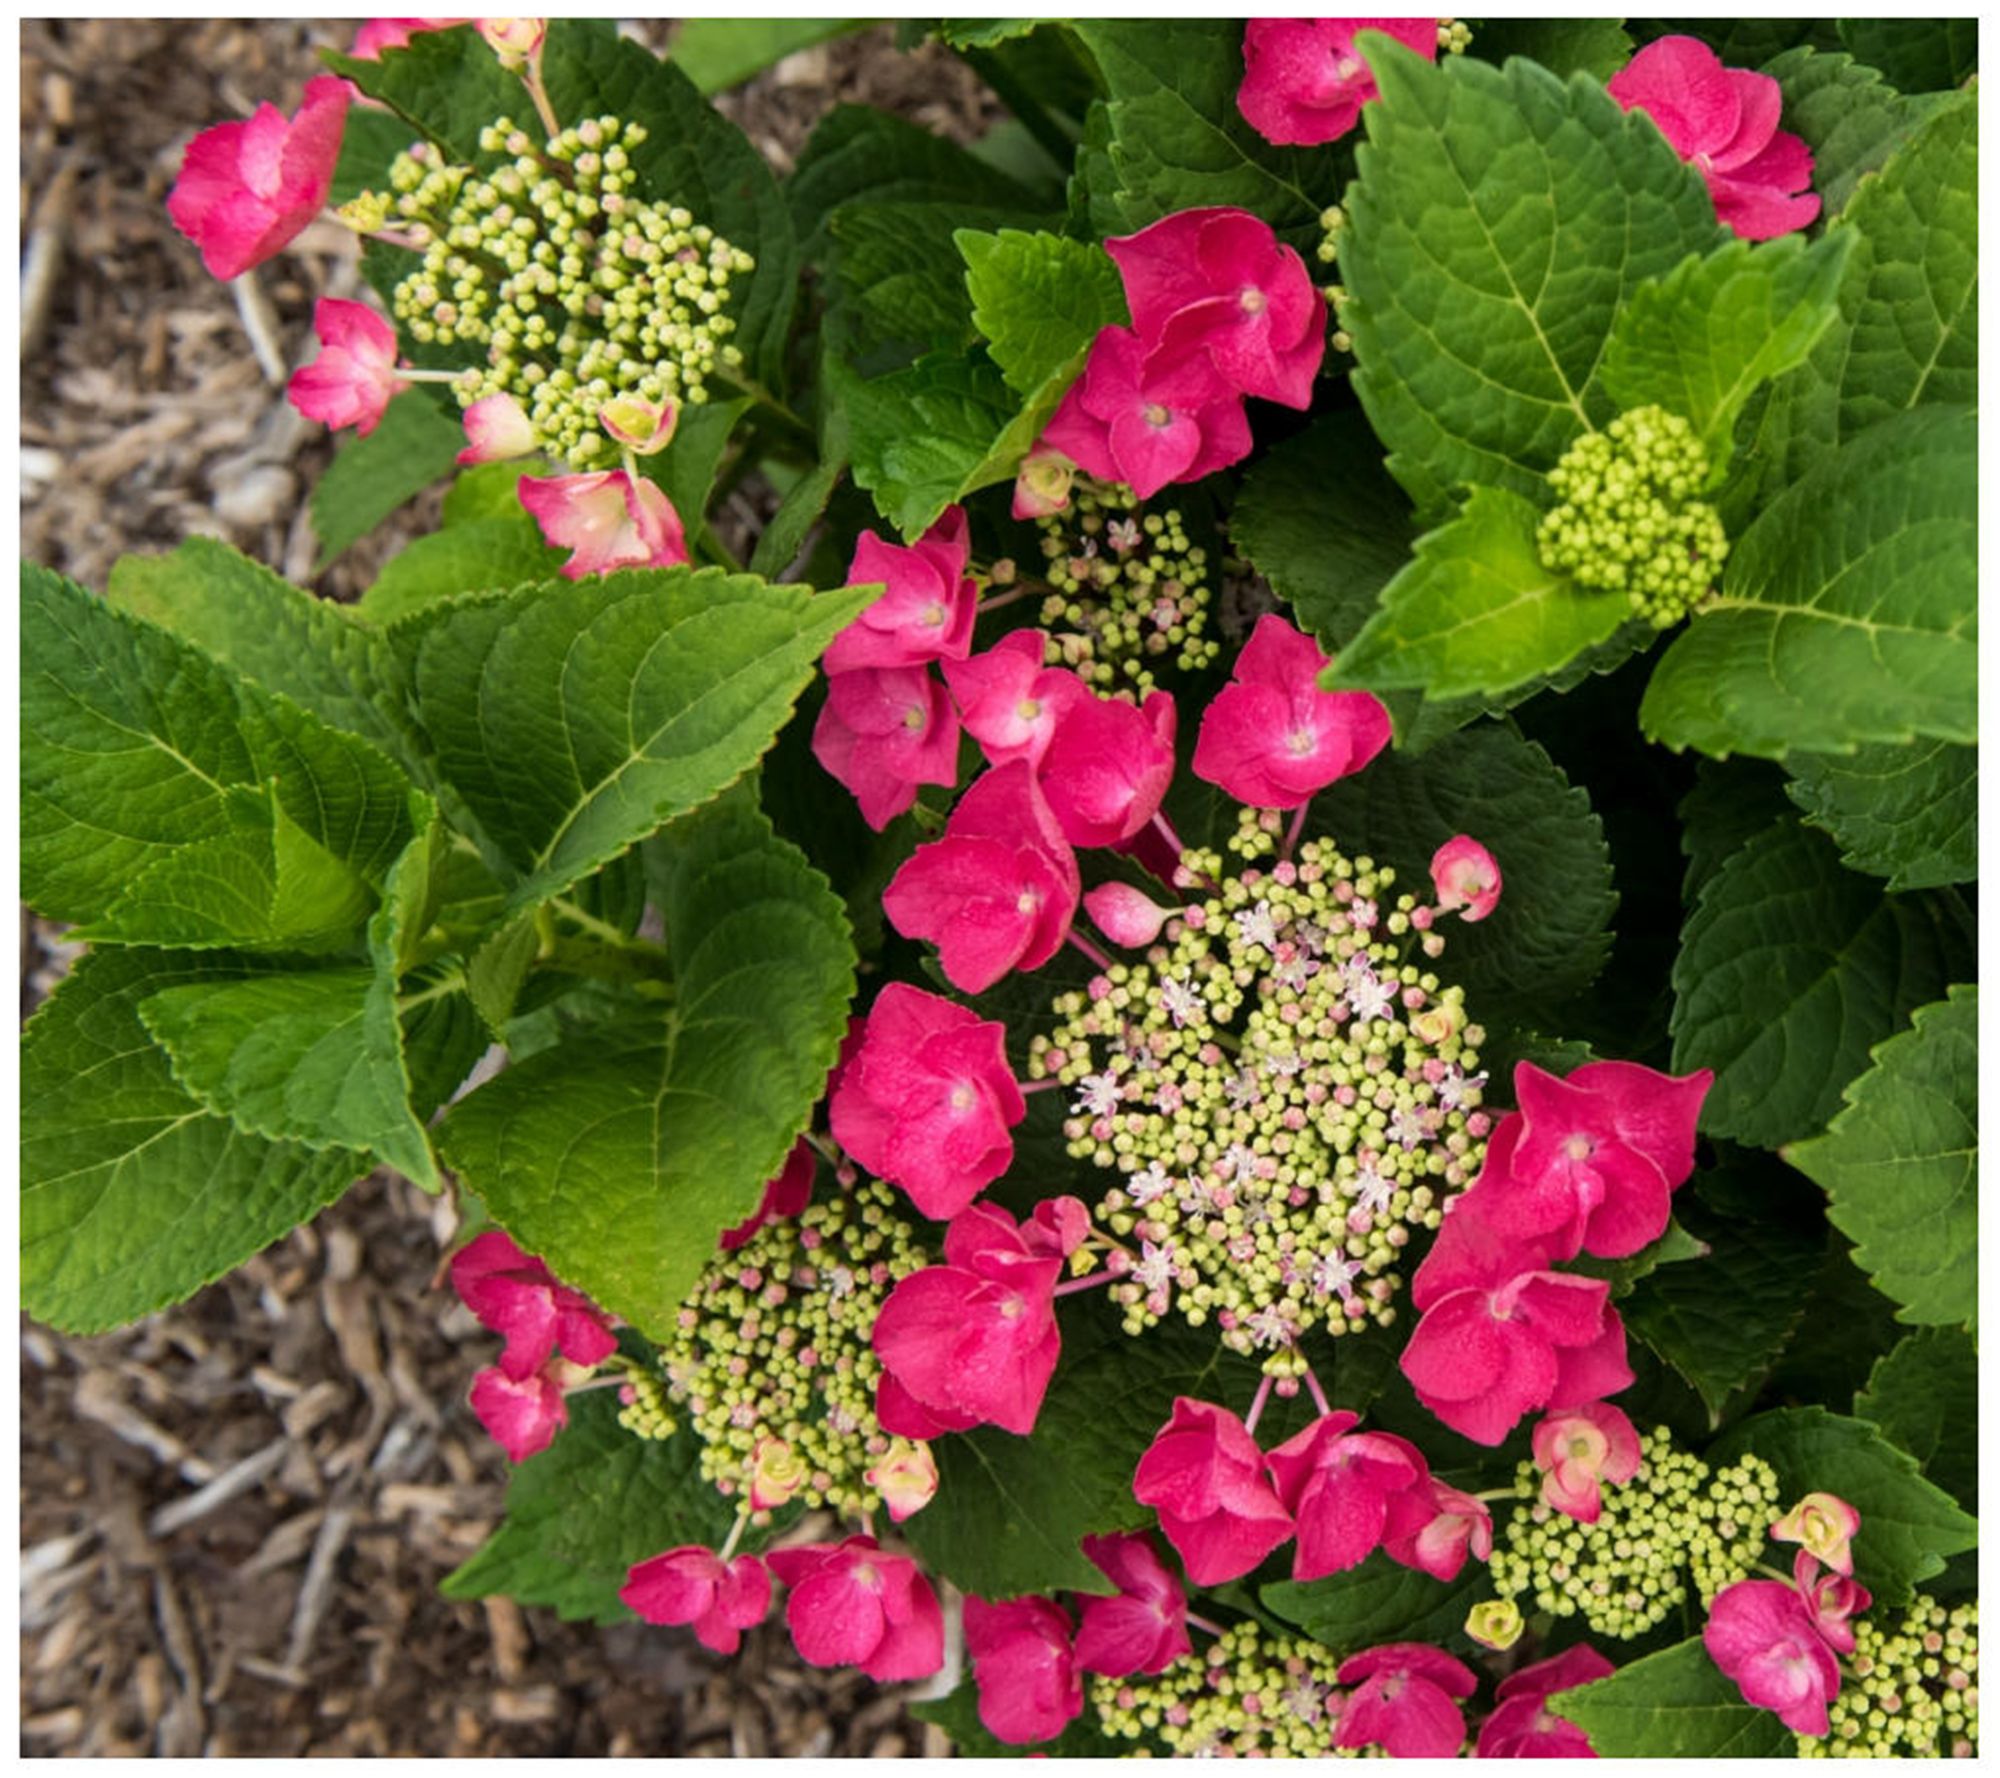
x,y
961,1097
1028,709
933,614
1346,67
1579,1148
1027,902
913,717
1301,741
1157,414
1253,301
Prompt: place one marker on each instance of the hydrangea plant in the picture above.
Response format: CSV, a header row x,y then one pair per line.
x,y
1271,997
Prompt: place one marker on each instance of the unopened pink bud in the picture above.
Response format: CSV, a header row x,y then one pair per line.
x,y
906,1478
638,424
514,40
777,1472
1042,487
1466,877
1125,915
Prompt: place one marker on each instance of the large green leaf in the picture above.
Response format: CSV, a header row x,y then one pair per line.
x,y
133,1195
1500,222
1732,801
1790,968
1924,1395
1848,612
576,717
1900,1164
1676,1704
1917,54
415,443
491,554
717,54
446,84
1381,1601
1910,814
1846,113
926,436
1039,300
620,1155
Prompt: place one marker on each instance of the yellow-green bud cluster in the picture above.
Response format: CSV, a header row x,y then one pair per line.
x,y
773,1344
1129,589
1286,1099
1454,36
1625,1573
645,1413
1629,520
576,289
1911,1690
1249,1694
1333,224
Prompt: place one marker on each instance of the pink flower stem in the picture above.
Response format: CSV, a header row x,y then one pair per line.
x,y
999,599
1166,830
1086,1283
867,1524
1316,1392
1257,1402
1496,1494
824,1147
1297,827
735,1536
1202,1623
1089,950
1047,1084
616,1380
531,78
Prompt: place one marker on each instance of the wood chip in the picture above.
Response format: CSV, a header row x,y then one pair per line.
x,y
238,1478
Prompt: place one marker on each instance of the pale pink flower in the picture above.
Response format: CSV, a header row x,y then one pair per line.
x,y
1465,877
607,519
1576,1449
1304,82
906,1476
1826,1525
514,41
1042,485
1125,915
353,379
643,427
496,427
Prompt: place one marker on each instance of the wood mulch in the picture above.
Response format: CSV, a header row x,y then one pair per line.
x,y
234,1516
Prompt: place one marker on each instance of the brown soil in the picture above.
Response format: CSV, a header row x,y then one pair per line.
x,y
234,1516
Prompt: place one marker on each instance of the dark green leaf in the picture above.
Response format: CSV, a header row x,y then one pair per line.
x,y
1847,114
1598,47
1381,1601
1917,55
1676,1704
1732,801
446,84
922,437
1910,814
416,443
781,541
1924,1396
1039,300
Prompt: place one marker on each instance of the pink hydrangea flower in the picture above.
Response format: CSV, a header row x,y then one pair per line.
x,y
882,732
1404,1701
1141,1628
1007,698
1271,737
927,1099
927,610
354,378
1148,416
1026,1671
1479,1244
521,1414
1304,82
1220,281
516,1296
854,1605
1724,123
1523,1727
1042,485
1466,877
998,890
607,519
1763,1635
246,189
975,1339
376,35
1578,1448
645,428
1108,763
784,1196
906,1478
1433,1527
1831,1599
1204,1475
1337,1483
1125,915
497,427
1826,1525
693,1585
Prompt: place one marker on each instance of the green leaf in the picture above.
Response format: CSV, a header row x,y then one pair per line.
x,y
415,444
1598,47
134,1196
447,85
576,717
717,54
495,972
1847,114
896,285
1908,1525
687,468
1732,802
1674,1704
1918,55
922,437
1476,613
1381,1601
1675,1245
370,139
481,555
1848,612
1900,1164
1700,341
583,1512
1500,222
1924,1396
1910,814
1790,968
781,542
1039,299
621,1155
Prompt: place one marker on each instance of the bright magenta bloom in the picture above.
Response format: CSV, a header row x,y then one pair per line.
x,y
1141,1628
1832,1599
522,1414
1008,698
1148,415
1271,737
1108,762
925,615
1220,281
354,377
998,890
883,731
854,1605
1304,82
516,1296
784,1196
1432,1527
1724,123
927,1099
1337,1484
496,428
1466,876
1403,1701
1029,1687
1763,1635
1204,1475
693,1585
607,519
1576,1449
1523,1727
1825,1524
1126,916
1478,1244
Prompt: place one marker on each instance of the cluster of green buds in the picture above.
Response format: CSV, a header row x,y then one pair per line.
x,y
1130,589
771,1358
576,290
1285,1097
1454,36
1249,1694
1912,1690
1628,519
1675,1520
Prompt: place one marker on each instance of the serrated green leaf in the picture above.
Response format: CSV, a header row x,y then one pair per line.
x,y
1924,1395
495,972
1500,222
446,85
1039,299
924,437
895,285
619,1157
781,541
1673,1704
1908,1525
1910,814
1848,612
1918,55
1380,1601
687,468
134,1196
1598,47
576,717
1732,802
1846,113
1790,968
717,54
370,138
479,555
1900,1164
1674,1245
415,443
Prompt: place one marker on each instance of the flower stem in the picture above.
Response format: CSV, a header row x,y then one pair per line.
x,y
1047,1084
1202,1623
735,1536
1086,1283
1315,1391
999,599
410,374
1297,827
1089,950
1257,1402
